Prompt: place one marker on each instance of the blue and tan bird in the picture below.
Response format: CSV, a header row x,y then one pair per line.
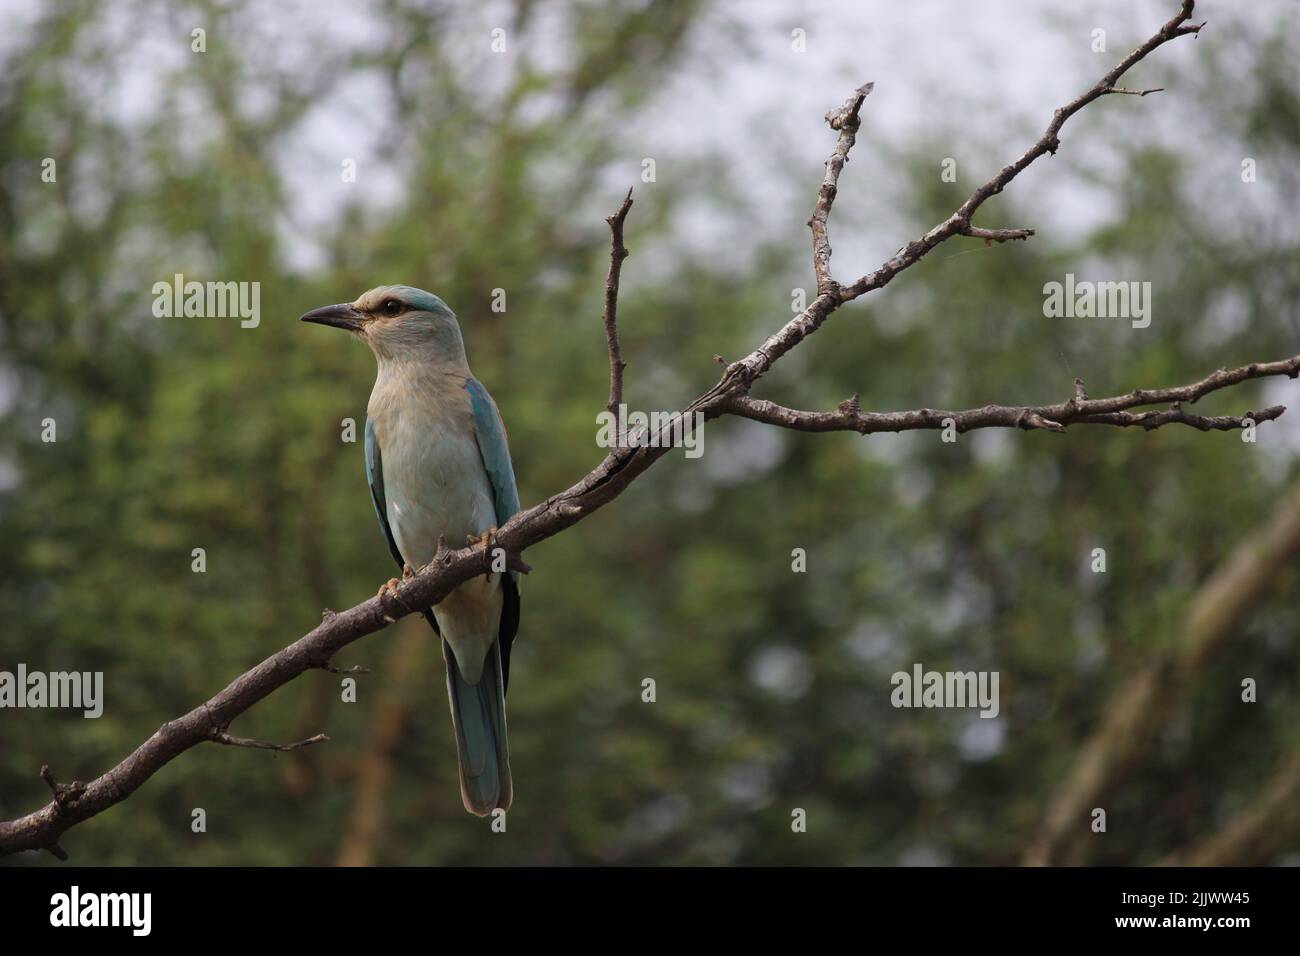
x,y
438,465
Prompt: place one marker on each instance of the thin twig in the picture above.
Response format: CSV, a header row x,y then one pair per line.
x,y
995,235
617,253
1120,89
846,120
221,737
64,793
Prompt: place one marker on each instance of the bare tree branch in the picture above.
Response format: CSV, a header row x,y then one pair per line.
x,y
1102,411
208,722
831,295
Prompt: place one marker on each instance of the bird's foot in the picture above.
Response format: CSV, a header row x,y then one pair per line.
x,y
406,572
389,588
485,539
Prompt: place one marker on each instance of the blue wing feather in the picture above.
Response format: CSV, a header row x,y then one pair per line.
x,y
491,434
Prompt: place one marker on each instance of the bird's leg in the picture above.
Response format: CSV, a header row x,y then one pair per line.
x,y
486,539
407,572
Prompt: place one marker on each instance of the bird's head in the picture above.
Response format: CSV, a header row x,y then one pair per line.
x,y
398,321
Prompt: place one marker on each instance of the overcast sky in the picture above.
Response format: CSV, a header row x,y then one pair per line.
x,y
995,67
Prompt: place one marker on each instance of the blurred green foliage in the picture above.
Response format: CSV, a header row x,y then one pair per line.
x,y
772,687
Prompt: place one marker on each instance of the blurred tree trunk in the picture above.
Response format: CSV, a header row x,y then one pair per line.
x,y
1140,707
1252,838
375,769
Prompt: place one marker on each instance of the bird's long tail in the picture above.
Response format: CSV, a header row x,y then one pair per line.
x,y
478,712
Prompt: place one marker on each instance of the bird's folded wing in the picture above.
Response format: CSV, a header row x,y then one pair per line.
x,y
491,434
375,478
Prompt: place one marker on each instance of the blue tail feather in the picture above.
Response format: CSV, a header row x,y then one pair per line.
x,y
478,712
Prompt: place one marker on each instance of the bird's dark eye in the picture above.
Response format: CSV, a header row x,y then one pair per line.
x,y
392,306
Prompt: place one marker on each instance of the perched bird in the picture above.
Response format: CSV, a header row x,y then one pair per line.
x,y
438,465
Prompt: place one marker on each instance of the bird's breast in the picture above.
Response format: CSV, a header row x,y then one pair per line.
x,y
434,479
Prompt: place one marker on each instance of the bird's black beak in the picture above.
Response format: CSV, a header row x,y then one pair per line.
x,y
342,316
